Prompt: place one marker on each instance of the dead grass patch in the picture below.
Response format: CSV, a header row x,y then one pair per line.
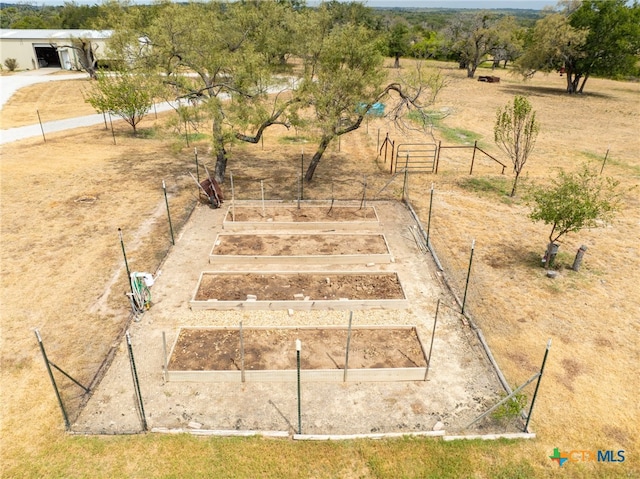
x,y
62,266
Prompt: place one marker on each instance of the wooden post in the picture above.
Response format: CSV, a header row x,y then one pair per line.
x,y
473,157
438,155
578,261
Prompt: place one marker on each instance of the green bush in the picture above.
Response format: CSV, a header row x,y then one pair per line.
x,y
11,64
511,409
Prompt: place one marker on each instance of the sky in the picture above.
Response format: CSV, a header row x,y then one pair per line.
x,y
522,4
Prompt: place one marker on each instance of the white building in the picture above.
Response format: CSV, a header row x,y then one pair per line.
x,y
49,48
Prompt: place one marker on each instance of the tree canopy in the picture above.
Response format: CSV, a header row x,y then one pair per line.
x,y
574,201
600,37
515,133
231,60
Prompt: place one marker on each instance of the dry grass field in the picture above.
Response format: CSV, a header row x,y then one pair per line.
x,y
62,202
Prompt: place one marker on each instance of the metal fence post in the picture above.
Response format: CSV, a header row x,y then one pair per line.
x,y
136,383
535,393
166,202
67,425
433,334
429,219
466,287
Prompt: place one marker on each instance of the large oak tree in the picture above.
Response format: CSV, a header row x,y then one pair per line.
x,y
598,37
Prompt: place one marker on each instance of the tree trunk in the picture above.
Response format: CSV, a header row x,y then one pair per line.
x,y
396,64
583,82
221,164
324,142
471,70
573,80
515,184
221,153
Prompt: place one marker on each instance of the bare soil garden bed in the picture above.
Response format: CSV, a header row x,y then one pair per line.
x,y
285,215
269,350
308,248
291,286
303,290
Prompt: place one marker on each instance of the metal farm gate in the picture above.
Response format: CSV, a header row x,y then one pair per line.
x,y
416,157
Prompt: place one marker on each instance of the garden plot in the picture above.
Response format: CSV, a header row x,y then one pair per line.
x,y
299,290
375,353
308,217
300,248
461,383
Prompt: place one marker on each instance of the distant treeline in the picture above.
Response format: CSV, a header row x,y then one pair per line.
x,y
74,16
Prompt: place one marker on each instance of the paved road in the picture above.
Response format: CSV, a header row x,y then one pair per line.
x,y
9,84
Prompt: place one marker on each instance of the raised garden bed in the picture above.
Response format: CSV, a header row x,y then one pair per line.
x,y
300,291
300,249
376,353
283,216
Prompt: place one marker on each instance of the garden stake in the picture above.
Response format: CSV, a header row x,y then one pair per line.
x,y
466,286
195,151
233,199
346,358
535,393
302,175
165,372
433,334
298,349
241,353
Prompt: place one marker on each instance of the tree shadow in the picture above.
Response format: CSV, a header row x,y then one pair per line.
x,y
532,90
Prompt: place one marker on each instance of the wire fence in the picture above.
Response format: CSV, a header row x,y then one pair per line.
x,y
455,257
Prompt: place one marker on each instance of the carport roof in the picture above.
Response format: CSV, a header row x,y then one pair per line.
x,y
6,34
